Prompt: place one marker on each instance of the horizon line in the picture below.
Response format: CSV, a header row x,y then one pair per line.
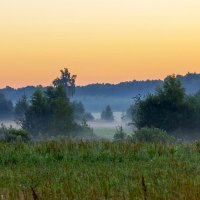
x,y
102,83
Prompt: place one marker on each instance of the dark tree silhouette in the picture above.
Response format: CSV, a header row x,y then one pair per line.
x,y
169,109
67,81
50,112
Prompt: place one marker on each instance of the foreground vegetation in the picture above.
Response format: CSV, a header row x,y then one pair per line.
x,y
99,170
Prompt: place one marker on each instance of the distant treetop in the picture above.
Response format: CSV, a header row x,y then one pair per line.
x,y
67,80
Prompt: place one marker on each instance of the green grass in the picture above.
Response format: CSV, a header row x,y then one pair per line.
x,y
108,132
99,170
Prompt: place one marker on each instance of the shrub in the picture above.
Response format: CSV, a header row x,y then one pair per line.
x,y
13,135
153,135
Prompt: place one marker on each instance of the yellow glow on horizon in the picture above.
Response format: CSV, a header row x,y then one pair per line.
x,y
99,40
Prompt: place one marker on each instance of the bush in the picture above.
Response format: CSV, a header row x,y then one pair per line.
x,y
153,135
120,134
13,135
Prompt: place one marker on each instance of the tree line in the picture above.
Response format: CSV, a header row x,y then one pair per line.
x,y
96,97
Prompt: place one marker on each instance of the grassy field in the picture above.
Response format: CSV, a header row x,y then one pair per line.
x,y
99,170
107,130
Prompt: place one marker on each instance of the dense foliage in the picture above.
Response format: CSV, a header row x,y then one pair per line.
x,y
50,112
151,135
13,135
67,81
169,109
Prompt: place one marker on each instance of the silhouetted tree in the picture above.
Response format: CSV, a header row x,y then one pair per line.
x,y
36,118
107,114
169,109
67,81
49,112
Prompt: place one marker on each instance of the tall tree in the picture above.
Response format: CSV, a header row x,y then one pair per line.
x,y
168,109
49,112
67,81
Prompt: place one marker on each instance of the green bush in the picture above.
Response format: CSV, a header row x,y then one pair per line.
x,y
153,135
13,135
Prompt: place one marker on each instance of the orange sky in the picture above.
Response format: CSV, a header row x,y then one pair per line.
x,y
99,40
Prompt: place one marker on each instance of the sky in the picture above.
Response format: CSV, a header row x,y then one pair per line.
x,y
99,40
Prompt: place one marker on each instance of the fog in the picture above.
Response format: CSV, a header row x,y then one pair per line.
x,y
101,128
107,130
98,123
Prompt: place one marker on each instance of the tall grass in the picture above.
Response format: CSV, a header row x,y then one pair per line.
x,y
99,170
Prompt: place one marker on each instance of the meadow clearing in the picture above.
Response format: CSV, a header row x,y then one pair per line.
x,y
106,130
99,170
